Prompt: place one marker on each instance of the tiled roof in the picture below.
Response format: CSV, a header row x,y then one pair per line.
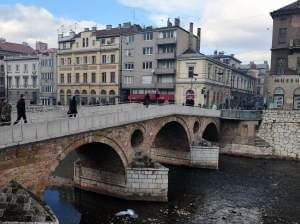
x,y
16,48
289,9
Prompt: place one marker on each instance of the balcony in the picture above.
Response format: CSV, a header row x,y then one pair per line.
x,y
165,56
107,47
162,71
162,41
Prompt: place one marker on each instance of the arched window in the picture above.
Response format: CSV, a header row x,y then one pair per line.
x,y
103,97
84,97
62,97
93,99
190,98
69,95
278,98
297,99
112,97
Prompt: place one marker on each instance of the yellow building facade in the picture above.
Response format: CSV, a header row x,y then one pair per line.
x,y
88,67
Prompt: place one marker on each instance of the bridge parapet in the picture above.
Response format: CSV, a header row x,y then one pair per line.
x,y
60,127
247,115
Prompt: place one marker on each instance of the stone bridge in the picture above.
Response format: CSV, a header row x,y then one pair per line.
x,y
119,149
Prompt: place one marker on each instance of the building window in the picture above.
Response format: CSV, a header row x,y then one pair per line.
x,y
104,59
167,34
69,78
94,42
62,78
129,66
147,80
191,72
112,59
77,78
128,79
62,61
18,68
278,98
129,52
9,82
69,61
8,68
85,78
148,36
83,42
281,65
147,65
87,42
93,60
93,77
282,35
77,45
77,60
25,79
25,68
103,41
112,77
131,38
103,77
147,50
34,81
17,78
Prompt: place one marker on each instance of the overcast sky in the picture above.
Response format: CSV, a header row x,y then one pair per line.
x,y
240,27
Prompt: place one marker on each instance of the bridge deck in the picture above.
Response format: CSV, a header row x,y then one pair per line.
x,y
90,119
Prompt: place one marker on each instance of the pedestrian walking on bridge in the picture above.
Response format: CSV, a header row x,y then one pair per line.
x,y
73,107
21,110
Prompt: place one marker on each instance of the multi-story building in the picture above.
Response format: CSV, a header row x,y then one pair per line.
x,y
283,83
207,81
10,49
22,78
48,77
149,60
88,64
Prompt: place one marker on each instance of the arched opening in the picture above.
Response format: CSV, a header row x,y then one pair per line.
x,y
112,97
211,133
278,98
97,158
196,127
103,97
137,138
69,96
190,98
62,97
297,99
84,97
172,136
93,99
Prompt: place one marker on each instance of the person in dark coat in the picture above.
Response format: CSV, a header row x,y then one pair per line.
x,y
21,110
73,107
147,100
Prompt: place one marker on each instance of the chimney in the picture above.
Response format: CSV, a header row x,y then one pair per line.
x,y
199,39
177,21
94,28
108,27
191,34
169,24
86,29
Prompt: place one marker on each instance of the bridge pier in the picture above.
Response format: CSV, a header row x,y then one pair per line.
x,y
145,184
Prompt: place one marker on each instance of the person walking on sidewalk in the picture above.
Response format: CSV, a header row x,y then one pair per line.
x,y
21,110
73,107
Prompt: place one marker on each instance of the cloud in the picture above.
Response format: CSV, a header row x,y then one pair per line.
x,y
20,23
241,27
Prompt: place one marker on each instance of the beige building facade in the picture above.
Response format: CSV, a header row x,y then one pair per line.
x,y
88,66
208,83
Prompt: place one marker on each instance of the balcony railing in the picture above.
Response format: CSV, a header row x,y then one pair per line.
x,y
166,56
161,41
246,115
161,71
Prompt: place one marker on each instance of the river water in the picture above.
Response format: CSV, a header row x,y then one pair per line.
x,y
241,191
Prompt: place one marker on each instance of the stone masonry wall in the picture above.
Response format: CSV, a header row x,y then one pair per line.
x,y
281,129
205,157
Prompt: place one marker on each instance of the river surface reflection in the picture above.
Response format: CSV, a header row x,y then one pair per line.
x,y
241,191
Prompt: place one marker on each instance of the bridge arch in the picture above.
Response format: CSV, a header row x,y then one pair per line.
x,y
173,133
211,133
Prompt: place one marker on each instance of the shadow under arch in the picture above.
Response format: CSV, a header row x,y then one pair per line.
x,y
211,133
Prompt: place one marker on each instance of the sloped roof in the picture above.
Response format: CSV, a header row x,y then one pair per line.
x,y
16,48
118,31
292,8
